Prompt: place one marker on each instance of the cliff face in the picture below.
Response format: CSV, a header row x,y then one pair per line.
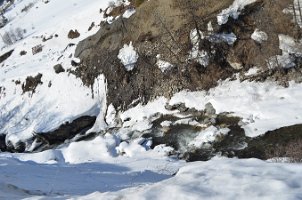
x,y
232,38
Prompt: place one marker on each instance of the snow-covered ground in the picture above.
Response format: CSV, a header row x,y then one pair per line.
x,y
105,167
262,106
220,178
60,98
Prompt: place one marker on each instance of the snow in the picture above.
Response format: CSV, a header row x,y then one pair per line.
x,y
111,166
80,168
263,106
144,113
31,180
86,170
259,36
111,116
128,56
163,65
233,11
208,135
201,56
222,179
290,48
100,92
49,107
229,38
252,71
128,13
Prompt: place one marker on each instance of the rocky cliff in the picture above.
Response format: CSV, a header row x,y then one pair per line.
x,y
197,42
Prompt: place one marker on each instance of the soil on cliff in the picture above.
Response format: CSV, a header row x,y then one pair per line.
x,y
163,27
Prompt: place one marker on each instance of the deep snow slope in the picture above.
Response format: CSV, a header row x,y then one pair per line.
x,y
91,170
62,97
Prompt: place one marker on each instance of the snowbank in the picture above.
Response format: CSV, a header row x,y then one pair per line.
x,y
221,179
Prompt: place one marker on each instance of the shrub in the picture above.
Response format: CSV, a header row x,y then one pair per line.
x,y
291,150
12,36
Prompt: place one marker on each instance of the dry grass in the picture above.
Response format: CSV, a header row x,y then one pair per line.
x,y
292,151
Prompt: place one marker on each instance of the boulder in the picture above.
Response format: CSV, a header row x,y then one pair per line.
x,y
209,109
58,68
73,34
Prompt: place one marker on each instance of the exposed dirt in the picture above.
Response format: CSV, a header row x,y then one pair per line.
x,y
72,34
274,143
163,27
31,83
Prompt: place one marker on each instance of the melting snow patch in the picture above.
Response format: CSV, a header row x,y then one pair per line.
x,y
263,101
290,49
163,65
195,54
208,135
252,71
128,56
259,36
233,11
128,13
200,56
229,38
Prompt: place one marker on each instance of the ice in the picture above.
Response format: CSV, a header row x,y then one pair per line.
x,y
233,11
201,56
128,13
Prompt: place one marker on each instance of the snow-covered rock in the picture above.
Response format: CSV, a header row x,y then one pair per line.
x,y
259,36
128,56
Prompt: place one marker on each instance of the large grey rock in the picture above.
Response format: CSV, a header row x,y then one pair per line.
x,y
58,68
209,109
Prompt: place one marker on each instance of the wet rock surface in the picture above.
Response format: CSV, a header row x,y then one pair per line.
x,y
51,139
5,56
64,132
2,143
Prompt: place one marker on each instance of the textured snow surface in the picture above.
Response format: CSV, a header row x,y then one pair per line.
x,y
221,179
201,56
163,65
81,168
128,56
60,98
146,175
208,135
263,106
